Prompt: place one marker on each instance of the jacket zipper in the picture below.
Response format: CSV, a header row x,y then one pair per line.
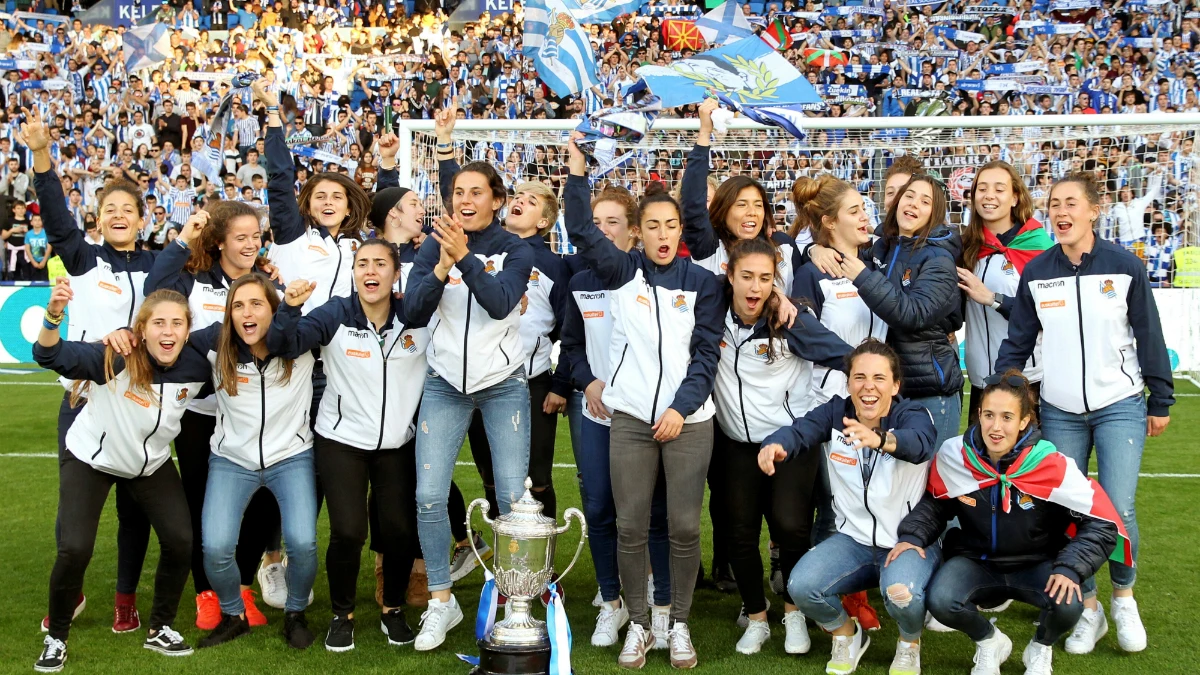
x,y
383,407
995,496
536,344
157,421
1082,346
507,360
619,364
1131,382
101,448
339,409
787,396
737,354
132,290
262,420
987,325
658,385
466,338
337,270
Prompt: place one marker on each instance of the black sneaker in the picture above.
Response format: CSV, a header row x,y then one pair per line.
x,y
231,627
295,630
702,581
54,655
396,627
340,637
778,583
167,642
723,579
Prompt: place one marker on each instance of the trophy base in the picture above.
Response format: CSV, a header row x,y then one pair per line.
x,y
507,660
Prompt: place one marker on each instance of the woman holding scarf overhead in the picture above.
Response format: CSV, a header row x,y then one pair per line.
x,y
999,240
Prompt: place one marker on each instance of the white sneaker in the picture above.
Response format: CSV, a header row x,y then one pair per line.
x,y
997,609
1131,634
795,634
438,618
846,652
660,625
743,620
608,624
757,633
1037,659
1091,627
683,654
907,660
990,653
637,643
272,581
935,625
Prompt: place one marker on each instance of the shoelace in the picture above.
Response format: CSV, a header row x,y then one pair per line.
x,y
906,657
1041,660
634,639
605,619
275,575
460,553
125,613
54,648
681,639
1124,616
434,614
987,658
793,618
170,634
841,649
1085,625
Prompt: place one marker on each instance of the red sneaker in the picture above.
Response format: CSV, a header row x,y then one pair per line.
x,y
208,611
253,615
80,604
857,606
125,614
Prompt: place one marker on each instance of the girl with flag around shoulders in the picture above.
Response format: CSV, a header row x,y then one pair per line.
x,y
1000,239
1104,348
1032,527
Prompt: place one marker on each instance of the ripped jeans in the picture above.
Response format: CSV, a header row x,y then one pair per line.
x,y
1118,433
840,565
441,427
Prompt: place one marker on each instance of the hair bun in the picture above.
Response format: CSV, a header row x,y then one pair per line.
x,y
805,190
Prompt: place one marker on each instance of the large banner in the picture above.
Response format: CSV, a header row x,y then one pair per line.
x,y
21,310
118,12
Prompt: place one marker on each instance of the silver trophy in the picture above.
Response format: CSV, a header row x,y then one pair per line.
x,y
523,546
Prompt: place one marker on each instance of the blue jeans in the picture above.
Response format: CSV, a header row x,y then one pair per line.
x,y
575,419
947,415
230,486
839,566
1118,432
601,513
443,420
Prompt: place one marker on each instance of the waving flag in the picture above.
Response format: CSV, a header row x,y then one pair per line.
x,y
789,118
146,46
604,11
1039,471
559,46
724,24
824,58
778,36
746,72
681,34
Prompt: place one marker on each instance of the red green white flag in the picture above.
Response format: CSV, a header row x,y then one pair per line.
x,y
778,36
1039,471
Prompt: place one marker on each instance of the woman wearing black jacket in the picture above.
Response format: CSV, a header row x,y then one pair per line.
x,y
910,281
1000,552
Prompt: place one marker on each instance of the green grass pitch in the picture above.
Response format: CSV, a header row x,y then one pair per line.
x,y
1167,584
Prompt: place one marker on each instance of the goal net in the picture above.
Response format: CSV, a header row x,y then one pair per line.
x,y
1147,166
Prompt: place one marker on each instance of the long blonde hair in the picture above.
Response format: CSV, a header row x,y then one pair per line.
x,y
137,364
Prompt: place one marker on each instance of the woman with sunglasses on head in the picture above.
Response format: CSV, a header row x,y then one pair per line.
x,y
364,435
1102,342
666,314
215,248
122,435
914,288
764,380
999,240
467,283
586,344
1061,530
108,283
877,446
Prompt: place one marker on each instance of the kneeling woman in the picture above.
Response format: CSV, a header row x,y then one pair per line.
x,y
123,435
999,552
764,379
375,362
262,440
877,445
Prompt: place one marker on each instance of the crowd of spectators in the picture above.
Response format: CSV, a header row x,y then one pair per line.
x,y
350,68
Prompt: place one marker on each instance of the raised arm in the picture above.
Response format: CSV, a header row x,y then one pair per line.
x,y
698,232
611,264
76,360
292,334
287,225
61,231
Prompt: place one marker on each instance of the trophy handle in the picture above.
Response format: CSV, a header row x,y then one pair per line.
x,y
567,516
483,509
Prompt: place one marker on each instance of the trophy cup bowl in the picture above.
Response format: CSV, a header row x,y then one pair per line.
x,y
523,545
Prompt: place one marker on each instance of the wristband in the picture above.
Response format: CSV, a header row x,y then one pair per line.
x,y
49,326
182,243
995,301
445,146
56,320
272,109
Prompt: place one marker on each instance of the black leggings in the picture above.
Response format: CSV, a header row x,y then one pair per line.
x,y
82,492
133,528
346,474
260,522
542,430
785,499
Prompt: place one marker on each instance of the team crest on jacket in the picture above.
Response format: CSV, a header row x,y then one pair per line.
x,y
680,303
182,395
408,344
535,278
763,351
907,278
353,246
1008,268
490,267
1107,288
1025,502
